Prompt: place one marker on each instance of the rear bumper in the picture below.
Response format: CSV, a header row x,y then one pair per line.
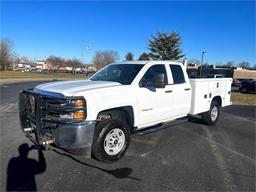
x,y
74,137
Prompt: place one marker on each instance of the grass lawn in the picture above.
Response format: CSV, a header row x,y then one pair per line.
x,y
21,75
243,99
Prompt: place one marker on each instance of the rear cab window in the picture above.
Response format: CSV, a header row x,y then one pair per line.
x,y
177,74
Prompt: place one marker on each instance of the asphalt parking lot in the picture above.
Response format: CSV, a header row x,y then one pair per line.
x,y
187,157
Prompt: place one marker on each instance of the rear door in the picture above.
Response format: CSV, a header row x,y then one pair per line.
x,y
181,90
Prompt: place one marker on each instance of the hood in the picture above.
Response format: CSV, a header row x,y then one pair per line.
x,y
72,87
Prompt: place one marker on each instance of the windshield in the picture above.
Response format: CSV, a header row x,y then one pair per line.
x,y
121,73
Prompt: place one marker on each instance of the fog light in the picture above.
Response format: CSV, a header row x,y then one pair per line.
x,y
66,116
79,115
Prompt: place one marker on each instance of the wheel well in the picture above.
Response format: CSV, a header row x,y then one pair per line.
x,y
218,100
126,113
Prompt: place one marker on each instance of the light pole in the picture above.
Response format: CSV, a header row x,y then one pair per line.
x,y
87,48
201,66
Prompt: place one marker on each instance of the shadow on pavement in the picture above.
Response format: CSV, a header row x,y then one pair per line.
x,y
21,170
196,120
120,173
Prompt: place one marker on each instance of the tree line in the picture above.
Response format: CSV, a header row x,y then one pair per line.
x,y
61,62
161,46
243,64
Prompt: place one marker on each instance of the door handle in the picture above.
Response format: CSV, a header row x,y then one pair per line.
x,y
168,91
186,89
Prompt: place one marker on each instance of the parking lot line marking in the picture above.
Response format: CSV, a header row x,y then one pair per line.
x,y
223,146
6,107
241,118
145,141
227,179
3,107
145,154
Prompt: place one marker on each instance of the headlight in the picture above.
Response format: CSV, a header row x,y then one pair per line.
x,y
79,114
78,102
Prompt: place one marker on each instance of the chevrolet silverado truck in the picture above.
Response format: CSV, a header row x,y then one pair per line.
x,y
96,117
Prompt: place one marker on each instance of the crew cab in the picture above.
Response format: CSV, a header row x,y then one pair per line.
x,y
97,116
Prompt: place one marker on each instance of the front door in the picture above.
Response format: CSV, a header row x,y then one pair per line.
x,y
155,104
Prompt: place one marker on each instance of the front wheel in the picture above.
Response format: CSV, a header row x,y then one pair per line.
x,y
111,140
211,117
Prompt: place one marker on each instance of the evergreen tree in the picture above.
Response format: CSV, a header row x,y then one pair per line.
x,y
129,56
144,56
165,46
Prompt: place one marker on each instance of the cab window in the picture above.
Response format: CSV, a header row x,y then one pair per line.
x,y
177,74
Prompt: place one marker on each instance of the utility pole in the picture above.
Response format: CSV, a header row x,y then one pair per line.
x,y
201,66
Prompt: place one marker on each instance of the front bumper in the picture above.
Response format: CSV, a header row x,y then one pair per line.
x,y
74,137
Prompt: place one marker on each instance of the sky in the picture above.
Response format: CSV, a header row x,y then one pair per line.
x,y
225,30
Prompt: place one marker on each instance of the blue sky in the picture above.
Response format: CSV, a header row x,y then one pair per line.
x,y
225,30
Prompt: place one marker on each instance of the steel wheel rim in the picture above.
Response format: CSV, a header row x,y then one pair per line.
x,y
214,113
114,141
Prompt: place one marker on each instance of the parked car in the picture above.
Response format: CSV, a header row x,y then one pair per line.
x,y
236,83
248,86
97,116
44,71
90,73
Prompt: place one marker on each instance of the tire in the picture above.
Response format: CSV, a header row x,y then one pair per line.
x,y
211,117
111,140
244,90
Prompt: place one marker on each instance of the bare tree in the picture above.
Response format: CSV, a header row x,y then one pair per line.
x,y
103,58
74,63
55,62
244,65
230,64
6,53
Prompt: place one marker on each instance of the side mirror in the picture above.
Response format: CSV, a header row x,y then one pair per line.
x,y
159,80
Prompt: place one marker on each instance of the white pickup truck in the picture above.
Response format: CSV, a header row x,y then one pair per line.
x,y
97,116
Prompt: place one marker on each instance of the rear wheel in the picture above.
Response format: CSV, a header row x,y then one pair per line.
x,y
211,117
111,140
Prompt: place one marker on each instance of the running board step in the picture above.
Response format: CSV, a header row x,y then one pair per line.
x,y
159,127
